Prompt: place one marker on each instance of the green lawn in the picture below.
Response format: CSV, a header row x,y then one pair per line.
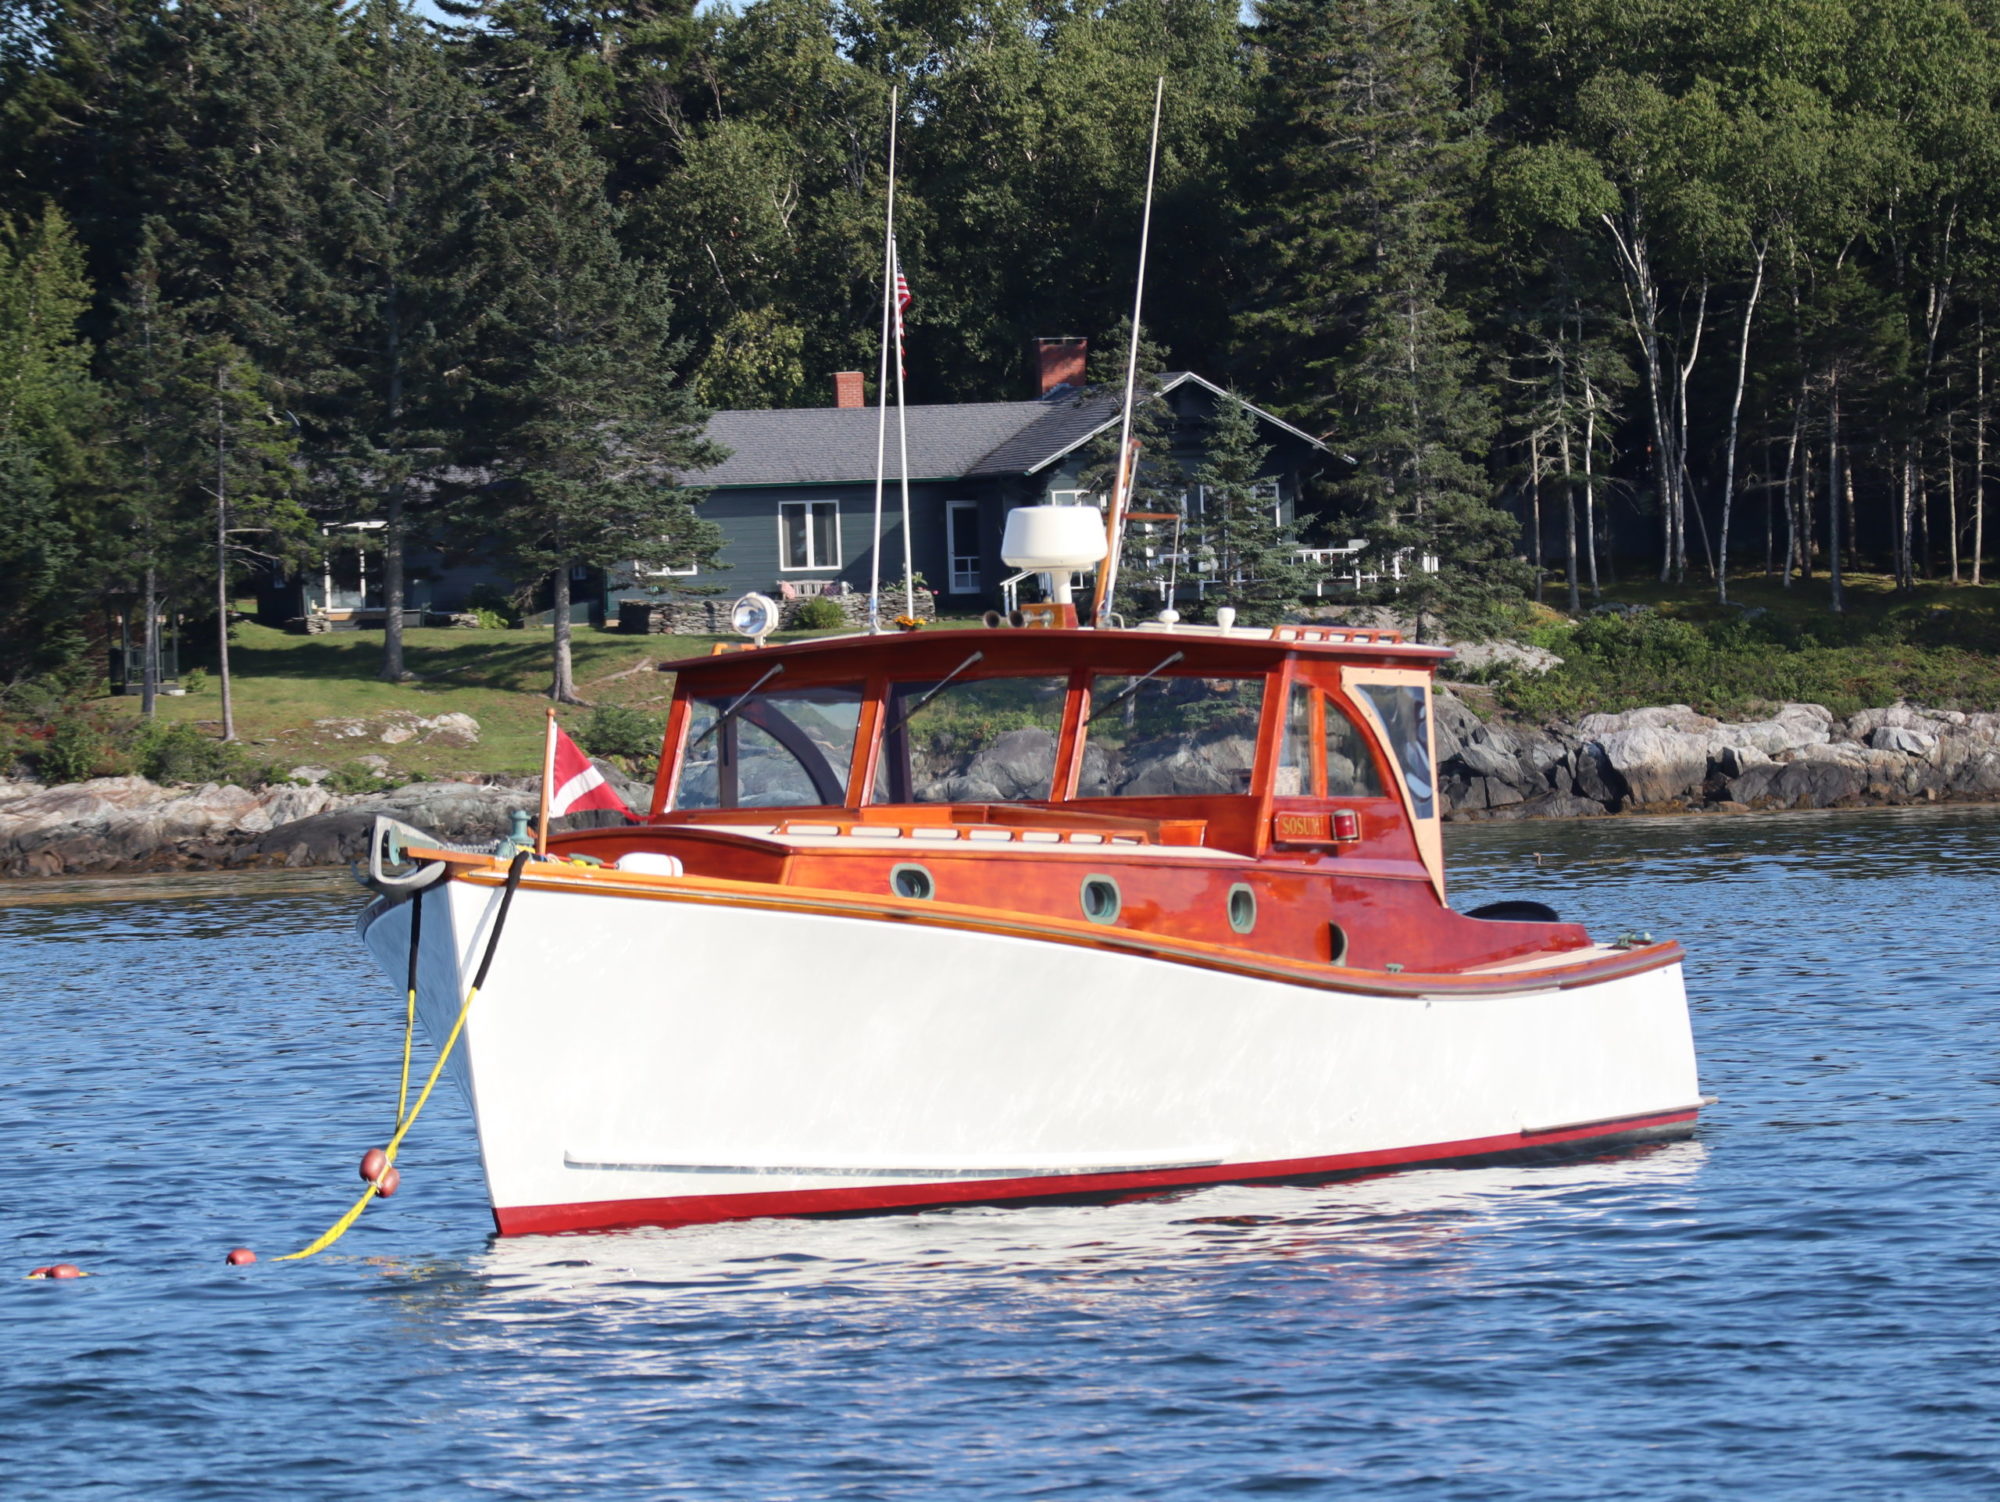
x,y
284,684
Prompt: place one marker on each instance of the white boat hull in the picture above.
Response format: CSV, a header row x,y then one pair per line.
x,y
661,1062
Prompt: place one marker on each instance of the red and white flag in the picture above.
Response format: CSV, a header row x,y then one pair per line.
x,y
573,783
903,300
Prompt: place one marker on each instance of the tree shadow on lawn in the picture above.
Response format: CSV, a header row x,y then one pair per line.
x,y
523,665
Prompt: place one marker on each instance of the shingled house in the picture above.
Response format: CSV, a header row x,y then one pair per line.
x,y
795,499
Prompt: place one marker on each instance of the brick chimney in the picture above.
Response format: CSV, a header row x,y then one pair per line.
x,y
849,390
1059,362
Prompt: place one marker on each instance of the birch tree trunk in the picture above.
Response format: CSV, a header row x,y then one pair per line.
x,y
1535,504
1590,487
149,642
1833,496
1979,454
1735,419
222,561
1643,311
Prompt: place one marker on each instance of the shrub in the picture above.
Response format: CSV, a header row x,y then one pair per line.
x,y
818,613
494,607
72,749
354,777
613,730
183,754
194,680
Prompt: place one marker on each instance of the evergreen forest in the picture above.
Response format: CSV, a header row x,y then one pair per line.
x,y
1574,289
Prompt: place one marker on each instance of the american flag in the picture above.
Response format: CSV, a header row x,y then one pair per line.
x,y
903,300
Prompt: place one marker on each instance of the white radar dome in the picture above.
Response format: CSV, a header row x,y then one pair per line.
x,y
1047,539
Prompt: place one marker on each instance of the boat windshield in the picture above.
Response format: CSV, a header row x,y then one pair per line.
x,y
977,740
1170,736
776,748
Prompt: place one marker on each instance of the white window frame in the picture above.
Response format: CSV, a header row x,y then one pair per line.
x,y
812,565
951,558
1274,492
671,573
1077,498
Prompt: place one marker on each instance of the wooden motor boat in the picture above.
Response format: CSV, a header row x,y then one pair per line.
x,y
984,915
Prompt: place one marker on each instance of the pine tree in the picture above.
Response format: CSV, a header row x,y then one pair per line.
x,y
1365,171
579,415
1158,483
412,168
1255,567
156,548
48,408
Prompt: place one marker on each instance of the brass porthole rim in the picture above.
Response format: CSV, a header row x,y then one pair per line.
x,y
1097,878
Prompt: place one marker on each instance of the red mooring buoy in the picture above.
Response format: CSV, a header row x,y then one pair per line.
x,y
387,1184
372,1163
240,1256
63,1270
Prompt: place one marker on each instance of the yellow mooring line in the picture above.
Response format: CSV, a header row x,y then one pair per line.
x,y
340,1227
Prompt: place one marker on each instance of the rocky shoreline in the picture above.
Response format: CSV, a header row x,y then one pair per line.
x,y
1669,759
128,824
1661,760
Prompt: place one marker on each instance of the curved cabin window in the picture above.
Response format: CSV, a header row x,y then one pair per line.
x,y
1404,710
1170,737
1346,769
977,740
1350,770
775,748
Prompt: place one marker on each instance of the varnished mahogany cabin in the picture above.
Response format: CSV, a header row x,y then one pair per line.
x,y
1265,792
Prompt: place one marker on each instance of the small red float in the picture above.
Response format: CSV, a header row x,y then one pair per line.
x,y
64,1270
387,1184
240,1256
372,1163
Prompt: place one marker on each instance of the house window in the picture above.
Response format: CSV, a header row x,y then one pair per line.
x,y
809,534
1076,498
961,540
669,572
1268,493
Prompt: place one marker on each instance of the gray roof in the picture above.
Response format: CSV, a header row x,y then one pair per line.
x,y
837,445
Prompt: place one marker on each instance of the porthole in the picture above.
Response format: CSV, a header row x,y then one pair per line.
x,y
1242,908
912,881
1337,944
1100,899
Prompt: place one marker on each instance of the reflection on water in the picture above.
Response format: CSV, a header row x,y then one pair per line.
x,y
1342,1230
1798,1304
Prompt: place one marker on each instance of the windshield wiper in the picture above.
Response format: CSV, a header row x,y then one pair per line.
x,y
935,689
1132,688
730,713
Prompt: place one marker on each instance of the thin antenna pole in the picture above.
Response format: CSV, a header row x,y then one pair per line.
x,y
1125,462
882,385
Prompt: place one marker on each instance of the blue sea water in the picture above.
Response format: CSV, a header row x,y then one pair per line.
x,y
1799,1303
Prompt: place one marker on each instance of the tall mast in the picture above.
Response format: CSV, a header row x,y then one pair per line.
x,y
882,389
1127,461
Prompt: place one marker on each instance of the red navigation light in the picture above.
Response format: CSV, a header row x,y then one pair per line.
x,y
1346,825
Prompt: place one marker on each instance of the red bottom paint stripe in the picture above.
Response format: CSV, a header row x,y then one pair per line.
x,y
699,1209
